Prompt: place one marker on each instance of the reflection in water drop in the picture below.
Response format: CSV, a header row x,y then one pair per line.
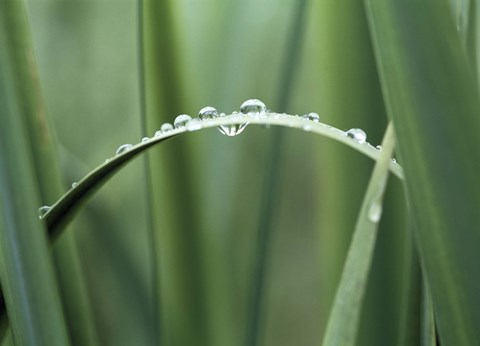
x,y
207,113
357,135
43,210
181,120
123,148
253,107
232,130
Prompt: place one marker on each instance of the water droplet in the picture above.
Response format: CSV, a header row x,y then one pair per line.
x,y
123,148
222,114
74,184
232,130
375,212
313,117
358,135
145,139
166,127
378,147
43,210
394,160
207,113
181,120
194,125
253,107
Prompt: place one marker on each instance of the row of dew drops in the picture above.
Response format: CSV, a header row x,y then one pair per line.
x,y
252,108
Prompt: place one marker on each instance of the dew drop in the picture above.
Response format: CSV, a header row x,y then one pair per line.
x,y
43,210
145,139
123,148
207,113
253,107
74,184
394,160
378,147
166,127
313,117
181,120
358,135
232,130
375,212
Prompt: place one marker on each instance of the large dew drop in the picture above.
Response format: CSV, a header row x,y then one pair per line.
x,y
43,210
181,120
375,212
123,148
358,135
232,130
253,107
207,113
313,117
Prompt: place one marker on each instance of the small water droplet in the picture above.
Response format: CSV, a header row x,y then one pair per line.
x,y
394,160
145,139
222,114
357,135
123,148
74,184
43,210
232,130
166,127
207,113
375,212
378,147
253,107
181,120
313,117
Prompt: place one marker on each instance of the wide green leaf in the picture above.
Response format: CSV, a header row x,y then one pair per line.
x,y
432,98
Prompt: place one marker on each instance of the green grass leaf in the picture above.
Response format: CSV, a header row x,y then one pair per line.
x,y
26,266
432,98
342,326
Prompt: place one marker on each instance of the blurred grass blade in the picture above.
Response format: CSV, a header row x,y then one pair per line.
x,y
342,326
273,172
47,171
428,321
28,280
183,309
432,99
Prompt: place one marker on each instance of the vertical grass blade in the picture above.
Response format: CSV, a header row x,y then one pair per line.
x,y
184,316
432,99
33,113
342,326
31,294
273,171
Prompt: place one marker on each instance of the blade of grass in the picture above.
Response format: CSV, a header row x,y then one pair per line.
x,y
428,321
28,280
342,326
47,171
183,312
433,101
272,178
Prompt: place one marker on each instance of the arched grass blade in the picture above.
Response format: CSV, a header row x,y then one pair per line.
x,y
64,209
432,99
342,326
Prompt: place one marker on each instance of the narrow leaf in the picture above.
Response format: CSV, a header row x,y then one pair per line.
x,y
342,326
